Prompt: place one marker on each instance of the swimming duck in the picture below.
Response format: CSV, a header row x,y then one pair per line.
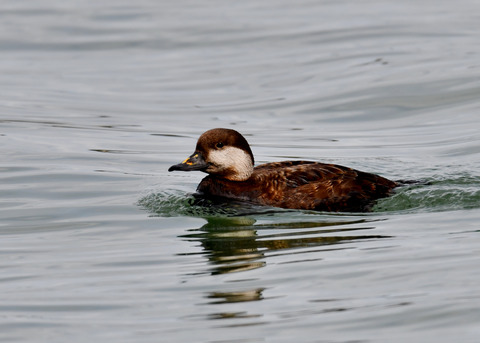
x,y
226,156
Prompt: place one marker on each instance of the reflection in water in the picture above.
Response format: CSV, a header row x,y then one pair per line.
x,y
237,296
239,237
235,244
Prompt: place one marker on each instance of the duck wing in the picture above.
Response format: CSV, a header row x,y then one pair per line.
x,y
320,186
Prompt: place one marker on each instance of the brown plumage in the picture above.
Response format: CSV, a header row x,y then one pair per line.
x,y
226,156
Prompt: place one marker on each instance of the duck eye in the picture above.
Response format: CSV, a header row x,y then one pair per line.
x,y
219,145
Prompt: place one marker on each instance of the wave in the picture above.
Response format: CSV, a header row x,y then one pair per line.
x,y
435,195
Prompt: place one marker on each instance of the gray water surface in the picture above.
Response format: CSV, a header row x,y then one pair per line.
x,y
100,243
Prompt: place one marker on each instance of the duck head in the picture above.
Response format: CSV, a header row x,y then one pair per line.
x,y
223,153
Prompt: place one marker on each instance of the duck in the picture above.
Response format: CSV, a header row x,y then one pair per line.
x,y
225,155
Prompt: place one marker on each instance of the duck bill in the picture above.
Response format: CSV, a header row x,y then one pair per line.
x,y
194,162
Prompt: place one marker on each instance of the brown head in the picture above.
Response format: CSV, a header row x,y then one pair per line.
x,y
223,153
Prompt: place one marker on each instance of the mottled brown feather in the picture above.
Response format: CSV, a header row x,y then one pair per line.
x,y
303,185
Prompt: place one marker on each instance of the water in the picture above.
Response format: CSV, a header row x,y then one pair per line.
x,y
100,243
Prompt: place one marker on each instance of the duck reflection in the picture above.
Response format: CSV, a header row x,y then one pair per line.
x,y
236,244
236,296
230,244
239,238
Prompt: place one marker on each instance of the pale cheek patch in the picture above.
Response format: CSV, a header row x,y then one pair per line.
x,y
234,159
